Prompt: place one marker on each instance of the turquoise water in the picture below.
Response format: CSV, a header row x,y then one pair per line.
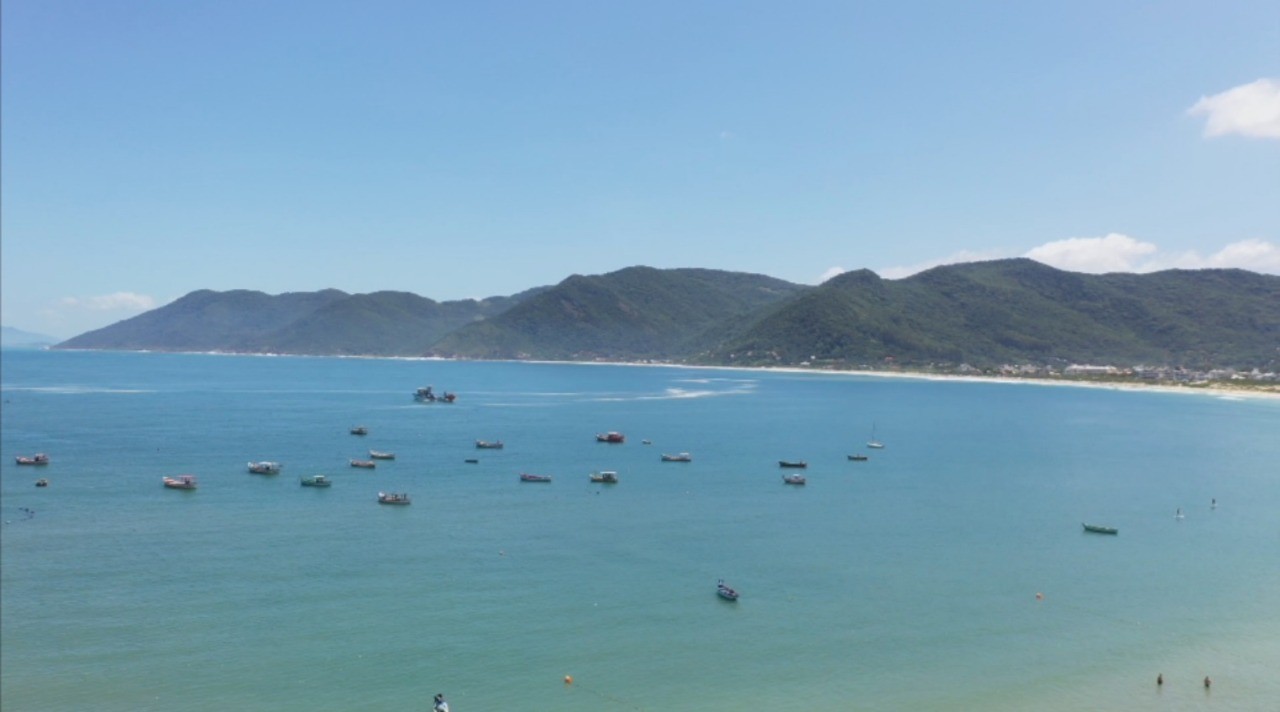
x,y
905,582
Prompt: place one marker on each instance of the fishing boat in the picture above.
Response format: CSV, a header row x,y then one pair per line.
x,y
42,482
366,464
1098,529
488,444
794,464
471,461
679,457
525,477
427,395
858,458
380,455
873,443
359,430
724,591
264,468
611,437
316,481
37,459
793,479
184,482
393,498
607,477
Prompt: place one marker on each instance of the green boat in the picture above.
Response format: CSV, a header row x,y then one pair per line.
x,y
1096,529
316,481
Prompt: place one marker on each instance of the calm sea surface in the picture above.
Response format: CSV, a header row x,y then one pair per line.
x,y
908,581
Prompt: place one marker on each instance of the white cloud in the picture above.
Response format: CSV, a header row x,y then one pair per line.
x,y
1121,253
1112,253
119,301
954,258
1249,110
833,272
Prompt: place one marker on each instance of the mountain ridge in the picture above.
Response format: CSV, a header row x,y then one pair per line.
x,y
980,313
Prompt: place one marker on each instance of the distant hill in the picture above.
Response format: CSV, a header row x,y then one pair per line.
x,y
17,338
326,322
380,324
205,320
1021,311
634,313
982,314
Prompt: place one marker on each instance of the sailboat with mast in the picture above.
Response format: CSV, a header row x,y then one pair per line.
x,y
874,443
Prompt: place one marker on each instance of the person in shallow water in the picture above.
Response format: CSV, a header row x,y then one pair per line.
x,y
439,704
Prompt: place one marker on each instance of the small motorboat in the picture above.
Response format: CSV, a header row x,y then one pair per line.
x,y
525,477
393,498
37,459
488,444
183,482
1099,529
471,461
858,458
795,464
724,591
793,479
612,436
679,457
316,481
380,455
427,395
359,430
264,468
366,464
42,482
608,477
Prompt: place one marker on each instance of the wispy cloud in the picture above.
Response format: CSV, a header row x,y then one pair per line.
x,y
1110,253
1251,110
1121,253
833,272
954,258
118,301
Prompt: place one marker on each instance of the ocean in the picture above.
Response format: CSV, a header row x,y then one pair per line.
x,y
948,571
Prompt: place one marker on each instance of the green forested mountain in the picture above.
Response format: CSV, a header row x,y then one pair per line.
x,y
983,314
206,320
379,324
326,322
1020,311
638,312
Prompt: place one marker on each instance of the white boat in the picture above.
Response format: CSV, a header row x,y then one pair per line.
x,y
380,455
873,443
608,477
678,457
264,467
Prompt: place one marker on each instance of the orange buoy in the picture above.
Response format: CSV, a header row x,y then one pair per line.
x,y
568,679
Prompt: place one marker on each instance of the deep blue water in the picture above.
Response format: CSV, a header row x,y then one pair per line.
x,y
905,582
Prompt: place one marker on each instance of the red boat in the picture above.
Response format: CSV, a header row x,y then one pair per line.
x,y
611,437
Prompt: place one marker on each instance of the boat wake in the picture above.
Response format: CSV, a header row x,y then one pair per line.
x,y
73,390
674,394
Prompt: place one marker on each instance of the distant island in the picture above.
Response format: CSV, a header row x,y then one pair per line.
x,y
11,338
1008,318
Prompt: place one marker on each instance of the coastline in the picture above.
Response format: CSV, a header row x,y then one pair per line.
x,y
1212,389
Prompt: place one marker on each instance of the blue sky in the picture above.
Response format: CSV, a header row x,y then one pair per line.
x,y
473,149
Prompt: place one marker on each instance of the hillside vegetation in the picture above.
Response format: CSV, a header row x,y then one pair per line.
x,y
981,314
